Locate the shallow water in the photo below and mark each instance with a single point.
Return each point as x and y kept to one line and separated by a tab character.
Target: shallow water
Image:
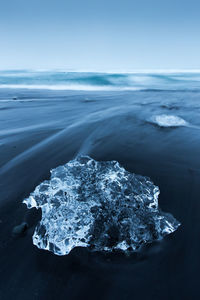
43	129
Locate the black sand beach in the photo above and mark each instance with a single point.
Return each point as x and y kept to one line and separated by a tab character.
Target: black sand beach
40	130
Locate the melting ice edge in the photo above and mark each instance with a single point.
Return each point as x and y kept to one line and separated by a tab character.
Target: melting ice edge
98	205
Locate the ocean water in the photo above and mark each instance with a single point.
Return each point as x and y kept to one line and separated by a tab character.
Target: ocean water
91	81
150	123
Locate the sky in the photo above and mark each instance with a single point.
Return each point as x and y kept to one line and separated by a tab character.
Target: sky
100	34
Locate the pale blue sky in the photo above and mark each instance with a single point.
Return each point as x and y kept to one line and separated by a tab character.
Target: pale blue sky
100	34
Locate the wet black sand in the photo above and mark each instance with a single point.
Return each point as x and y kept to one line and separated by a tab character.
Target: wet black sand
41	130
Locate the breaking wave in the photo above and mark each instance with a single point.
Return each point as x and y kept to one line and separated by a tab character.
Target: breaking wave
94	81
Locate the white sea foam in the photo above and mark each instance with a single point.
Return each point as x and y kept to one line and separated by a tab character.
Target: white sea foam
68	87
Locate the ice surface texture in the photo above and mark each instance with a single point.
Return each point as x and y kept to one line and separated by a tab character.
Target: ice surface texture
168	121
97	205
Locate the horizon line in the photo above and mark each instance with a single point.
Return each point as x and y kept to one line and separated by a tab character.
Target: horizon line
71	70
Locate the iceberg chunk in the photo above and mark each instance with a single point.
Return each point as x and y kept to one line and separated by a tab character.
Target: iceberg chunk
98	205
168	121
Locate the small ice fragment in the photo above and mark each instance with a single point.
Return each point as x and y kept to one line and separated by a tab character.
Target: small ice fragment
168	121
98	205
